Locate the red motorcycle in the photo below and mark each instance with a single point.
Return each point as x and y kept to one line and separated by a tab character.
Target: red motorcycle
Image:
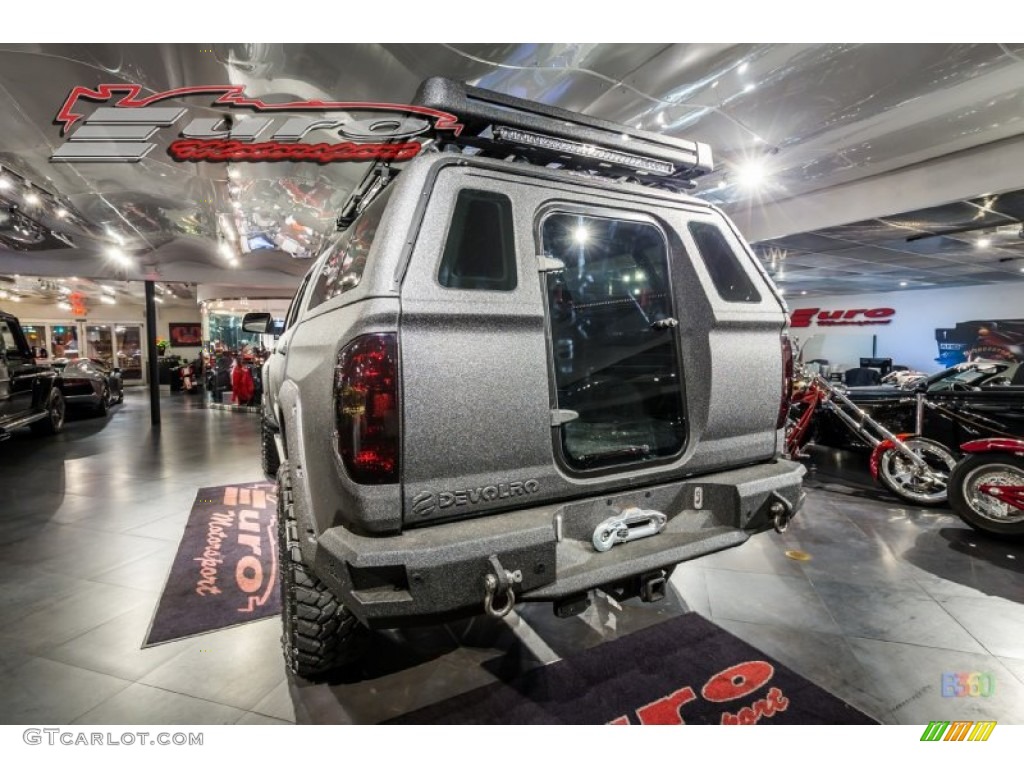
986	488
913	467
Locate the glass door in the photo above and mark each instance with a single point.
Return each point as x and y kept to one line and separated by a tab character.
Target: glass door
99	344
64	341
616	365
128	352
36	336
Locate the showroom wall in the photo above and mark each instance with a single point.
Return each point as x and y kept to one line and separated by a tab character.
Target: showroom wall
48	311
909	336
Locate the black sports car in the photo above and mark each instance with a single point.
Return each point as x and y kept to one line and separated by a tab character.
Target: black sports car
90	383
986	391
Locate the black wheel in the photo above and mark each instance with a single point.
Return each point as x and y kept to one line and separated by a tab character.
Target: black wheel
104	404
980	510
268	450
54	421
901	476
320	634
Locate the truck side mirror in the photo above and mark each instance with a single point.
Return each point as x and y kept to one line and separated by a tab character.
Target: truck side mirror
257	322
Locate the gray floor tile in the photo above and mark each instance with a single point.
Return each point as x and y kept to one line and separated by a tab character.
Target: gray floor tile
277	704
47	692
909	679
996	623
905	615
758	555
762	598
168	528
689	581
86	609
236	666
1015	666
147	573
115	647
142	705
251	718
27	589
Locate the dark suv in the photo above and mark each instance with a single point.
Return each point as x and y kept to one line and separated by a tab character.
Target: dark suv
29	393
529	367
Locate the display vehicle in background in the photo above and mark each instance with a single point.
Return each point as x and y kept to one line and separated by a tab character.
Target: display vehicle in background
30	394
90	383
530	366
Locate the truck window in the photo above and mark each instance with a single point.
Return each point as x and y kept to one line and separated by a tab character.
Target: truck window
480	252
727	273
343	268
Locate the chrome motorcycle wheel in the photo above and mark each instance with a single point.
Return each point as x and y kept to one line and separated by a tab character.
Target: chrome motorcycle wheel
918	485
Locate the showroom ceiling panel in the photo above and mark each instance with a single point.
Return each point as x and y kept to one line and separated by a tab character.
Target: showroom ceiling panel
816	116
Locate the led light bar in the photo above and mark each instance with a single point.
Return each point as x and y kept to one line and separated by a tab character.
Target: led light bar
525	138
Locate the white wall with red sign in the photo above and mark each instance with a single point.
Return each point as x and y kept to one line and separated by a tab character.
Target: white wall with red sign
902	322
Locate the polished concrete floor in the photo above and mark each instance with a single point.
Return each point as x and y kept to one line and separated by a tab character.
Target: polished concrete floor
892	598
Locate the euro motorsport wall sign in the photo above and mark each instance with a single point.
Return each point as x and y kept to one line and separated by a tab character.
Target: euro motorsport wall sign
117	124
805	318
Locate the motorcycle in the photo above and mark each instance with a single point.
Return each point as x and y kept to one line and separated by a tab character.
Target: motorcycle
986	488
912	467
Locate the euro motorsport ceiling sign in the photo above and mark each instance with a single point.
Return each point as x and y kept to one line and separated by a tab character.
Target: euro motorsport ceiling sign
117	124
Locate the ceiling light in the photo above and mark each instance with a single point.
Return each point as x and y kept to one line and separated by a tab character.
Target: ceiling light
984	242
782	291
581	235
803	293
108	300
119	256
903	284
742	67
62	213
31	198
5	183
752	174
748	87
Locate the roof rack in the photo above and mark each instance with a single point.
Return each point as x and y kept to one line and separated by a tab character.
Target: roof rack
499	126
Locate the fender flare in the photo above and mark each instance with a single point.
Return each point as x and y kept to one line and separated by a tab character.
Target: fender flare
994	445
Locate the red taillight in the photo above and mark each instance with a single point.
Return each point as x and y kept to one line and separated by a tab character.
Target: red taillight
366	408
787	381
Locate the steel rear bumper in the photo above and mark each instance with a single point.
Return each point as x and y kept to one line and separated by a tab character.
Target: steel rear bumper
436	570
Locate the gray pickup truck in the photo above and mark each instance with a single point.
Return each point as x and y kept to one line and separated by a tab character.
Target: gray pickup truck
30	394
530	366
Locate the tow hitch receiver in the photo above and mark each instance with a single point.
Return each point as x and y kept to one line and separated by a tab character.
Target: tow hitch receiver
632	523
652	587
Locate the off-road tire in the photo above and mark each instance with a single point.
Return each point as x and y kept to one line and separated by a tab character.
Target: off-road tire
268	450
56	409
976	470
320	634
